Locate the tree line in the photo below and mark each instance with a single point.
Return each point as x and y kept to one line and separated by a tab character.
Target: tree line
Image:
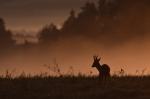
108	21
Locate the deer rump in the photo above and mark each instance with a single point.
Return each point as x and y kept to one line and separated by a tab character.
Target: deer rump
104	70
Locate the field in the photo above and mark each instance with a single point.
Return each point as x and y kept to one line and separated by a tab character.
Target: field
69	87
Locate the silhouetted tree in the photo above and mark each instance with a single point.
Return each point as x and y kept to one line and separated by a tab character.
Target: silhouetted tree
89	10
69	23
102	4
69	26
49	33
5	36
87	18
2	26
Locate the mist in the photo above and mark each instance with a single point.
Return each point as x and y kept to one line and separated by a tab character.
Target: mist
131	56
117	31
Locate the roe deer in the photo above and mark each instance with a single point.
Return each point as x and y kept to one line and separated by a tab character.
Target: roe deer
104	70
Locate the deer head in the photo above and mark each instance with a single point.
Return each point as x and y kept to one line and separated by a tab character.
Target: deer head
96	61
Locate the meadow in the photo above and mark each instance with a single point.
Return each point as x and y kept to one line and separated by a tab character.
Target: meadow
74	87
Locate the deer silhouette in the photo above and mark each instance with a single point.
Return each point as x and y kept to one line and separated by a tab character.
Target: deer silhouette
104	70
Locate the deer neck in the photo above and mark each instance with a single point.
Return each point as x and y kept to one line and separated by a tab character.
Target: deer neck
99	68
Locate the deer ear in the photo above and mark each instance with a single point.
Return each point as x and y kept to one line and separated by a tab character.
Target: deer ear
99	59
94	57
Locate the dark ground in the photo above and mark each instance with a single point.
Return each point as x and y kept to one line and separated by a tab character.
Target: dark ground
75	88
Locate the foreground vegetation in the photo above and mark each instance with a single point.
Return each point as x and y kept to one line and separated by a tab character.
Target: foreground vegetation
71	87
